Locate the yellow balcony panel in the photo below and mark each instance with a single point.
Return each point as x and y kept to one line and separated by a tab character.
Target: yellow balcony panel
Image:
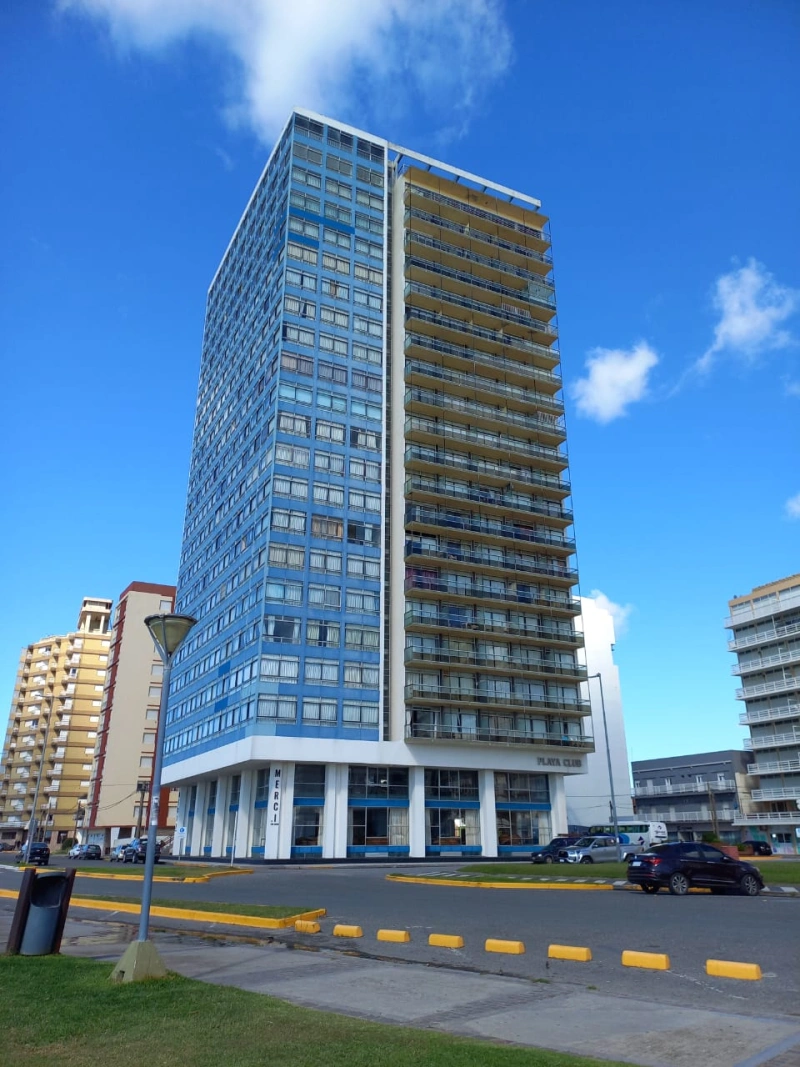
474	198
534	300
510	321
523	627
447	492
511	662
477	592
479	351
493	697
449	728
445	432
438	520
482	410
456	244
471	554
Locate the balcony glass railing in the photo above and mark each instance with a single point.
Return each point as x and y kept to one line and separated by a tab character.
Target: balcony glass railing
726	786
541	296
479	384
756	715
474	408
476	212
782	685
461	657
496	736
458	619
498	336
765	662
472	591
791	818
499	442
424	240
765	637
784	766
789	792
472	554
501	699
773	740
467	520
482	494
497	311
447	457
474	235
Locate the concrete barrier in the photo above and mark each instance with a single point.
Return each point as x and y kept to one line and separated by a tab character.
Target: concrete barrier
512	948
446	940
569	952
651	961
748	972
341	930
305	926
400	937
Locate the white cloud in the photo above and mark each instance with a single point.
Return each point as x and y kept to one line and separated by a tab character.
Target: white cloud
793	507
343	57
753	308
620	613
791	388
616	379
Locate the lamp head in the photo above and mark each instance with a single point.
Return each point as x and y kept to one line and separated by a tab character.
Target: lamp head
169	632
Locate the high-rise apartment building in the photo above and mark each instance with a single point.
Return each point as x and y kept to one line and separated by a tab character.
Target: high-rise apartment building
377	540
123	765
766	640
52	729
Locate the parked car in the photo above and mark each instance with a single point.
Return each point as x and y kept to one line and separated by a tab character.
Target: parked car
549	854
117	854
39	854
683	864
600	849
760	848
136	851
86	852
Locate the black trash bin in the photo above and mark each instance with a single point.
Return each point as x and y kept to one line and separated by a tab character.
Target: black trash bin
41	913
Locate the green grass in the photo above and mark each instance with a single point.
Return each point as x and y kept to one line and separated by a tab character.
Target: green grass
65	1011
265	911
774	872
161	870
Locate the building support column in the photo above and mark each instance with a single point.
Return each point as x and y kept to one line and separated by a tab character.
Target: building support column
416	811
179	841
275	809
488	815
559	823
195	846
241	843
286	820
220	814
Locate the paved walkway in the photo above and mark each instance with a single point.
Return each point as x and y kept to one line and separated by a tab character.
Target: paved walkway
568	1018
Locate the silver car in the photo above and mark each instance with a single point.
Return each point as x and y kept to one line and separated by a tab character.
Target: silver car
597	850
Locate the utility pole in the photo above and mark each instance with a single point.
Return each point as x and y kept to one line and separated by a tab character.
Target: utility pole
142	788
613	801
32	823
712	803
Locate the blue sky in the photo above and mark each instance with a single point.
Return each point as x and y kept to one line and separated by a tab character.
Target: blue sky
662	140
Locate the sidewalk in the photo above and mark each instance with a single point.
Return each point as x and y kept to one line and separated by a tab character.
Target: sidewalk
567	1018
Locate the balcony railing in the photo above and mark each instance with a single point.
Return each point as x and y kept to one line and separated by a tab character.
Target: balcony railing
695	815
503	266
445	693
498	337
458	620
568	605
505	312
764	638
537	294
474	235
479	494
476	409
773	740
783	685
790	792
726	786
462	657
507	472
424	732
473	557
498	442
479	384
448	519
784	766
757	715
479	213
790	818
764	662
777	604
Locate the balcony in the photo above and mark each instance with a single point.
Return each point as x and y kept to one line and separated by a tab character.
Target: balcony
480	413
471	591
784	766
428	430
503	342
757	715
433	459
418	221
473	385
492	736
687	817
438	694
434	298
444	490
416	239
486	661
765	818
537	294
764	662
477	556
422	516
765	638
773	740
459	620
784	685
448	205
726	786
789	792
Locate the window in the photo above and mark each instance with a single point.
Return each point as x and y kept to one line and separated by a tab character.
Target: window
338	264
324	596
335	211
329	343
304	151
297	488
338	290
326	528
295	521
339	165
377	782
302	254
369	150
363	533
292	455
367	354
368	300
283	629
328	494
368	439
284	592
329	372
363	567
360	501
287	556
305	201
361	675
337	188
366	603
302	279
336	238
369	176
306	177
296	305
297	394
322	671
280	668
304	227
329	461
367	469
374	201
343	140
297	335
297	364
276	707
366	222
361	324
309	127
362	637
451	784
335	317
371	383
322	634
331	402
369	248
327	562
331	431
365	409
359	714
146	763
521	788
318	711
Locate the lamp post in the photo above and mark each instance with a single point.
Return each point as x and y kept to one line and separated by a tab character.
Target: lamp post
614	818
141	959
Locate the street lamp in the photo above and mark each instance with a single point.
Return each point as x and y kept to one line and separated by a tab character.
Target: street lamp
141	959
614	819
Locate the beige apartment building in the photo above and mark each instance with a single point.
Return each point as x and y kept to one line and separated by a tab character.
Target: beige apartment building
52	730
123	765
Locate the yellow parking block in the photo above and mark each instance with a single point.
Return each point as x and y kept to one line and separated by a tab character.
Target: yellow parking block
749	972
398	936
305	926
341	930
651	961
512	948
569	952
446	940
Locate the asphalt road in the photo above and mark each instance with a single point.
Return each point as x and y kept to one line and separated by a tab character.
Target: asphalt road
689	929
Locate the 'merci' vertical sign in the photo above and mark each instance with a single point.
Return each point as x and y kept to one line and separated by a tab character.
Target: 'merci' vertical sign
275	796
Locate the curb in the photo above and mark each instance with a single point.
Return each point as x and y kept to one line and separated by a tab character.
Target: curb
607	884
140	877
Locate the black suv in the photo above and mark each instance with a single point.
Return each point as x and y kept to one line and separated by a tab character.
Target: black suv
39	854
760	848
685	864
136	851
549	854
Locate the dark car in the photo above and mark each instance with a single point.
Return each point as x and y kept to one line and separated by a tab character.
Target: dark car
39	854
136	851
91	852
549	854
685	864
760	848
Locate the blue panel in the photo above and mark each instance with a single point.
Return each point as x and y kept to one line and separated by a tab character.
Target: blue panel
435	850
522	807
306	850
309	802
257	850
383	850
452	803
530	849
377	802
